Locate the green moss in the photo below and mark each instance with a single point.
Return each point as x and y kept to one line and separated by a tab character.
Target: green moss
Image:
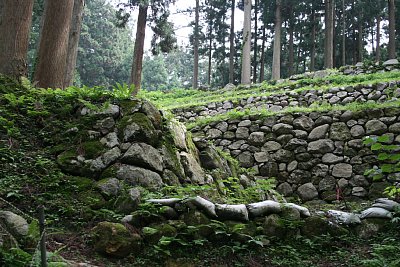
192	149
110	172
92	199
114	239
129	106
91	149
145	133
64	161
81	183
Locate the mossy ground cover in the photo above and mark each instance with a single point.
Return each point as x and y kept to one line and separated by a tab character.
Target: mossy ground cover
381	250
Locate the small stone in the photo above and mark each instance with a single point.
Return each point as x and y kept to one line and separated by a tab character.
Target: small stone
395	128
257	138
321	170
242	133
307	192
292	166
214	133
327	184
321	146
391	62
269	169
339	131
271	146
359	180
245	123
357	131
323	120
285	189
359	192
222	126
262	157
282	128
342	170
303	123
246	159
282	155
330	158
318	132
375	127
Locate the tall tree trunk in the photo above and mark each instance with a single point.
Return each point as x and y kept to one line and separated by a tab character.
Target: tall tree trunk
15	23
343	33
52	55
73	42
209	55
329	24
262	67
276	59
246	53
360	40
232	44
291	46
255	42
378	39
392	29
136	74
313	35
196	48
299	51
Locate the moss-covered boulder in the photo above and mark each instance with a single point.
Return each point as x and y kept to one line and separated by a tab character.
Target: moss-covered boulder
315	226
153	234
114	239
138	127
194	217
273	226
370	227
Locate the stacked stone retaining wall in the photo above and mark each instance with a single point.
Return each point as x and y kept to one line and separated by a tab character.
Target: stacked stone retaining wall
312	155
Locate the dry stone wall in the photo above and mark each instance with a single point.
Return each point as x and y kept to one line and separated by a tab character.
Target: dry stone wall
379	92
312	155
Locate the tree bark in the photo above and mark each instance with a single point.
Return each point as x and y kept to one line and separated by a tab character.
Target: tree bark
136	74
262	67
291	46
378	39
15	23
52	55
210	39
329	24
360	40
196	48
299	51
343	34
246	57
392	29
313	35
255	42
232	44
276	59
74	34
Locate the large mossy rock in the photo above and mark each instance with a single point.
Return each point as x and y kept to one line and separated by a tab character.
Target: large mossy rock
138	127
113	239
